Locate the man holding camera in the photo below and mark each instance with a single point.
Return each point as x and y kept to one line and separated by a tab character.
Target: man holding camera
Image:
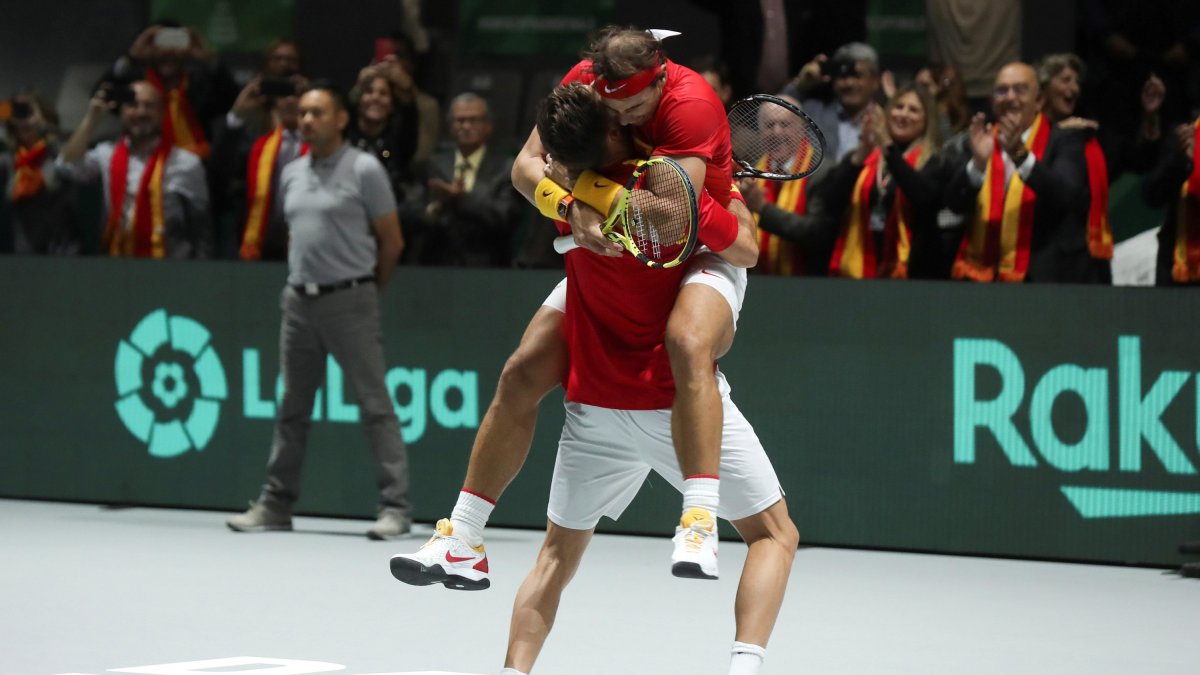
195	89
853	73
246	162
156	195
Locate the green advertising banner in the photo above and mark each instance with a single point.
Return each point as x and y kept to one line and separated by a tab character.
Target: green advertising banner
896	28
522	27
1030	421
228	26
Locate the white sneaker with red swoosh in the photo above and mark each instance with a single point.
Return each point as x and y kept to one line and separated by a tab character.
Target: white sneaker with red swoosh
444	559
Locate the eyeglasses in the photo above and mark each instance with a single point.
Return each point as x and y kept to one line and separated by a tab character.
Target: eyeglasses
1003	90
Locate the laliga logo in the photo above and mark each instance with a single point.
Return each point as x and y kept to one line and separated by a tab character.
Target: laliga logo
170	384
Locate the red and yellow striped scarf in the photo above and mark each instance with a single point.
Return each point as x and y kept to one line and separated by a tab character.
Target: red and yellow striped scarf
180	125
1099	233
854	255
1186	257
28	180
776	255
260	189
996	245
145	236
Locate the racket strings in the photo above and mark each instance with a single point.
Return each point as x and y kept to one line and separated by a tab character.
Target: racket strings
658	217
772	139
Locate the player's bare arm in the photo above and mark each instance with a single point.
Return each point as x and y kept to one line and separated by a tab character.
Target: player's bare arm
529	169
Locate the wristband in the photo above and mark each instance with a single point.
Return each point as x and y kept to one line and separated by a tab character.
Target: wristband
547	195
596	191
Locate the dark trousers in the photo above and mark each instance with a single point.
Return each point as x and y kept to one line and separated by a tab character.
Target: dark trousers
344	324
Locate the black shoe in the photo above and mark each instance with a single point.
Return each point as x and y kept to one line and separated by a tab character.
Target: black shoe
1190	548
1190	570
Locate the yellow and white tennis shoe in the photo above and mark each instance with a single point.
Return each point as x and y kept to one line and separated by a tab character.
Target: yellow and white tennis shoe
695	555
445	559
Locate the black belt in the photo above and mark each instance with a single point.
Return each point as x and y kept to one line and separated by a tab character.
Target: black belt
322	289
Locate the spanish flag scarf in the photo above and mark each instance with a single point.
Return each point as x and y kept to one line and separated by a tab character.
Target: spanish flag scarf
260	189
180	125
29	181
1186	257
1099	233
997	242
854	255
777	256
145	236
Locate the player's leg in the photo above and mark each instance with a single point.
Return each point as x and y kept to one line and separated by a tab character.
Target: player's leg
772	539
597	472
700	330
454	556
504	437
536	604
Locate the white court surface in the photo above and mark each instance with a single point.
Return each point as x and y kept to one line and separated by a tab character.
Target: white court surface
85	590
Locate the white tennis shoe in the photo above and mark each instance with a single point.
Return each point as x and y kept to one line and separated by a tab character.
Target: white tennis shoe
695	555
445	559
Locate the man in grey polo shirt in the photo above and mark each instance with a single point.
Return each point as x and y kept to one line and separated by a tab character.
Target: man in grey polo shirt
344	243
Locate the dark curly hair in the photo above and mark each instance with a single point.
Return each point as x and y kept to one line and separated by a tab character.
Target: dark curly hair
573	126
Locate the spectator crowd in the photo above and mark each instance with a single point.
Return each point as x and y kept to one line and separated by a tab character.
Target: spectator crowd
975	166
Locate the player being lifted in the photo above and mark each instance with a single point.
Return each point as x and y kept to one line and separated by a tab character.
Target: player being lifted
671	111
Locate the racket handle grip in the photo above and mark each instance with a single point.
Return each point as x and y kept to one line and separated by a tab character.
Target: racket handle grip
564	243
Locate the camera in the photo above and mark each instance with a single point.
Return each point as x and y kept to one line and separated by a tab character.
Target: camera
172	38
277	87
118	92
21	110
835	69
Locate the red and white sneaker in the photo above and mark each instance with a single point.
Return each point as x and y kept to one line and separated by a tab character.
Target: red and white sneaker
444	559
695	555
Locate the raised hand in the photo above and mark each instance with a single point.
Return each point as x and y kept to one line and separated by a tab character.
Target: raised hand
1154	91
982	141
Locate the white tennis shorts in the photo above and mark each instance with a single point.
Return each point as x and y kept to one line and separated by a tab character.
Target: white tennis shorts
705	268
604	455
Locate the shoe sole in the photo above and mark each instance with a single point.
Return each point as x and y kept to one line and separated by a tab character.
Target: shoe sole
414	573
690	570
260	528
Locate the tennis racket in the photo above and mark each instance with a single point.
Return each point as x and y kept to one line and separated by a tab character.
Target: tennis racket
656	218
764	126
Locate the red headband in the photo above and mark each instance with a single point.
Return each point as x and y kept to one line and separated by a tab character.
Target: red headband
630	86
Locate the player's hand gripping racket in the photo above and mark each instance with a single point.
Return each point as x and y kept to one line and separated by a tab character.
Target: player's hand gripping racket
656	217
764	126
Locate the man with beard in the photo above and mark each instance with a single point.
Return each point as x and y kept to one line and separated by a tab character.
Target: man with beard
155	193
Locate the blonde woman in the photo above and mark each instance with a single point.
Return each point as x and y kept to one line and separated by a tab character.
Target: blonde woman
888	186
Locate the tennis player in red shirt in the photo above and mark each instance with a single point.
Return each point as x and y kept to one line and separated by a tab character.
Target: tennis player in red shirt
619	393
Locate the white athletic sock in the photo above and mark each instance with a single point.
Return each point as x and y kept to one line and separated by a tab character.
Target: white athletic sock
470	516
703	491
746	659
511	671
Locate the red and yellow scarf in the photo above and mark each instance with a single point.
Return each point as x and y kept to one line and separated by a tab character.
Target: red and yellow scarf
776	255
260	189
997	242
1186	257
1099	233
145	236
28	180
854	255
180	125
